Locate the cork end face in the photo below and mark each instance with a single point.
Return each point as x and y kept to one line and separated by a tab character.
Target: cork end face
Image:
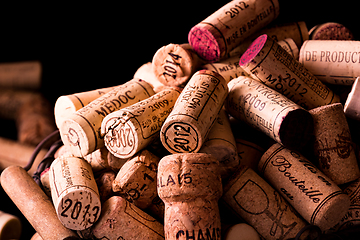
204	43
297	129
331	31
254	48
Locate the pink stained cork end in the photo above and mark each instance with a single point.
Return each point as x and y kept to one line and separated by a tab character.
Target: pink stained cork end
204	44
253	50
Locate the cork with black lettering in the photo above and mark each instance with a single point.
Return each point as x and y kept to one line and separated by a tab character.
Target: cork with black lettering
214	37
314	195
196	109
260	205
267	62
81	131
270	112
333	146
174	64
190	186
74	192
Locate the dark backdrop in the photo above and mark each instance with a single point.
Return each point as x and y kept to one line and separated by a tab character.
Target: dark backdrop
84	47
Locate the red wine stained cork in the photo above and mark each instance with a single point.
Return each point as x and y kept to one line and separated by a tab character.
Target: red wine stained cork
333	145
82	129
146	73
34	204
137	179
255	201
10	226
213	38
190	186
174	64
66	105
195	111
330	31
352	104
133	128
74	193
295	30
270	112
332	61
25	75
313	195
268	62
228	68
221	144
121	219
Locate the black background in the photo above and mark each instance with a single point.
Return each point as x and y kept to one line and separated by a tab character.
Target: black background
89	46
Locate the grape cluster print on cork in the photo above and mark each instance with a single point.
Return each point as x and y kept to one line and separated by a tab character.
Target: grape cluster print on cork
245	127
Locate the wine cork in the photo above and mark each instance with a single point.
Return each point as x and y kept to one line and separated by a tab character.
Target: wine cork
330	31
82	130
254	200
352	105
221	144
267	110
242	231
104	183
146	73
290	47
294	30
332	61
249	153
26	75
137	179
131	129
190	186
222	31
268	62
188	124
34	204
121	219
74	193
333	145
66	105
228	68
115	163
10	226
174	64
36	236
35	120
45	181
315	196
98	159
15	153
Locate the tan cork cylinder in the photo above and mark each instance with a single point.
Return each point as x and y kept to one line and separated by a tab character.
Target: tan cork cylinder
228	68
255	201
290	46
270	112
332	61
74	193
137	179
195	111
352	104
297	31
35	120
146	73
133	128
34	204
10	226
220	143
241	229
229	26
333	145
115	163
190	186
25	75
330	31
66	105
174	64
82	130
267	62
104	182
249	153
18	154
121	219
315	196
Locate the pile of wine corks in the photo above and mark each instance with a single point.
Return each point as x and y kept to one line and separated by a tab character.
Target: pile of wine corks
248	131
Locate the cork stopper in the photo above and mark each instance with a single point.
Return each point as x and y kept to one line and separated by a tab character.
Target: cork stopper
10	226
330	31
352	104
